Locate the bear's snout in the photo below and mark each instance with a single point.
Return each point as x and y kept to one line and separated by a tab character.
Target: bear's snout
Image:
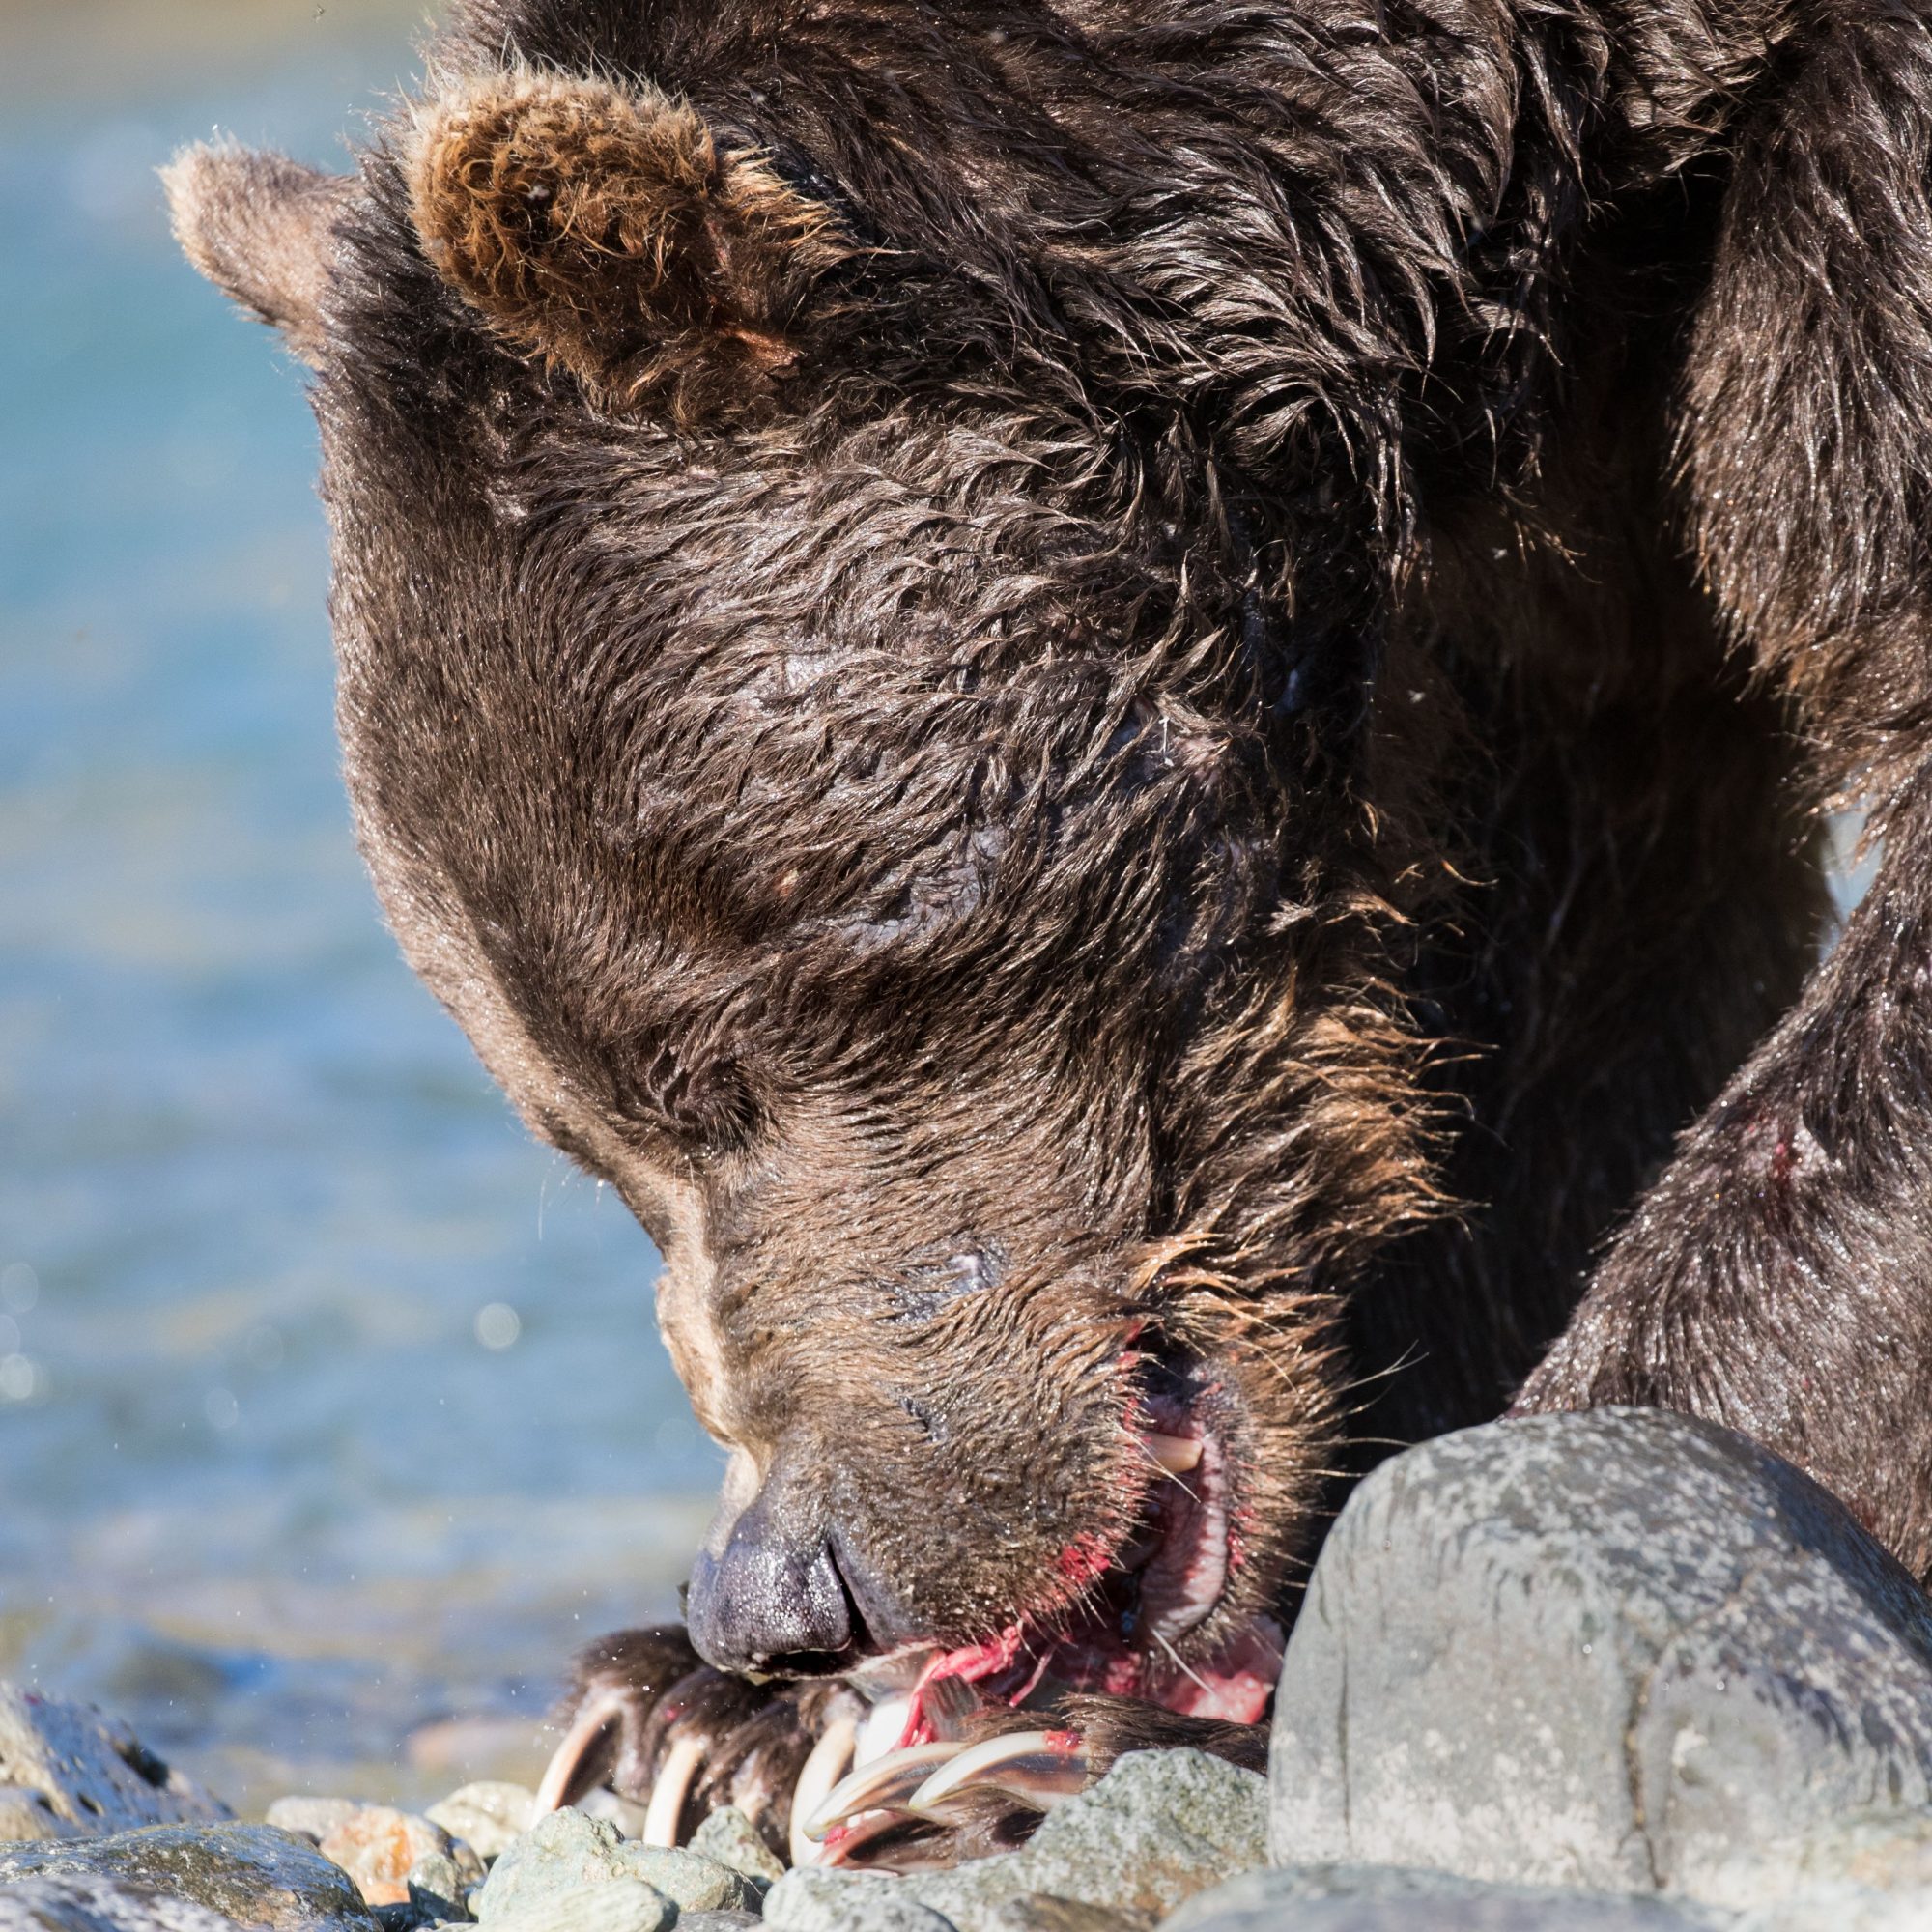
771	1601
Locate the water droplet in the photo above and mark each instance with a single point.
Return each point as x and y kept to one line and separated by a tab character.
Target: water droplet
20	1379
498	1326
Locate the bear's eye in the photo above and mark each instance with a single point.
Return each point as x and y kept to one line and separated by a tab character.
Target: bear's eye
703	1100
924	1289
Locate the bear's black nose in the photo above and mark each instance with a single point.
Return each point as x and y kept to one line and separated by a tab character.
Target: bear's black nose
771	1601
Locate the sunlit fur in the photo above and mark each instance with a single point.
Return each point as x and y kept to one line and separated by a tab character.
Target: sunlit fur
1094	684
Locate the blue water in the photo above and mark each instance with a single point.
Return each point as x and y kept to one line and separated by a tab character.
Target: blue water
261	1485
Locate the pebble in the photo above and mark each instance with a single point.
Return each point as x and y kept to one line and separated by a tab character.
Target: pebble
568	1851
489	1817
378	1847
616	1905
436	1888
311	1818
830	1901
1040	1912
629	1818
733	1839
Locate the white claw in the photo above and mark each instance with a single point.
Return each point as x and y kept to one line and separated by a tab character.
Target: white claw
884	1785
882	1727
1176	1454
822	1770
589	1724
1039	1768
669	1793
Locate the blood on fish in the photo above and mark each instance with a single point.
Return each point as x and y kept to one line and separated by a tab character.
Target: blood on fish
972	1663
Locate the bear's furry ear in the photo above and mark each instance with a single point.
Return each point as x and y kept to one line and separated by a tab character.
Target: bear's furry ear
258	226
605	231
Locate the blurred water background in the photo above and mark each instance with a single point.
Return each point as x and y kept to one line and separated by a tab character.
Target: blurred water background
331	1414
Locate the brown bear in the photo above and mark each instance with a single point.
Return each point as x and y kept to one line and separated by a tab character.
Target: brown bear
1122	705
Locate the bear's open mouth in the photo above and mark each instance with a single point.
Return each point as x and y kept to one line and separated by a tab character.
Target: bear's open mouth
1133	1610
1133	1606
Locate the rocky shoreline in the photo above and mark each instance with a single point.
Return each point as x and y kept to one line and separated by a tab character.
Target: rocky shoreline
1619	1672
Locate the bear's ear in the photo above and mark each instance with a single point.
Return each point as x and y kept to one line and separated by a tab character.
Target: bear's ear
258	226
605	231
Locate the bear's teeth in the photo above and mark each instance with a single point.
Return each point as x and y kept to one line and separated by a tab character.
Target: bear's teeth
1176	1454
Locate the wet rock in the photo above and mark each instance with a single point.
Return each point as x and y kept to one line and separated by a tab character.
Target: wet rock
1383	1898
378	1847
1623	1650
28	1815
733	1839
253	1874
311	1818
567	1852
829	1901
1037	1912
489	1817
409	1916
1158	1828
605	1803
1886	1854
613	1905
436	1887
78	1903
67	1770
1842	1908
693	1881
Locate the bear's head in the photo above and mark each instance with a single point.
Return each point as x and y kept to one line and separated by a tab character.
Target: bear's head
865	541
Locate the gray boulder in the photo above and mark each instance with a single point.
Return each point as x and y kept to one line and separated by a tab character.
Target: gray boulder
1384	1898
1624	1651
68	1772
252	1874
1158	1828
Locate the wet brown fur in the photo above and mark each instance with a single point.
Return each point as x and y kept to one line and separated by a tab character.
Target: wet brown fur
1214	773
